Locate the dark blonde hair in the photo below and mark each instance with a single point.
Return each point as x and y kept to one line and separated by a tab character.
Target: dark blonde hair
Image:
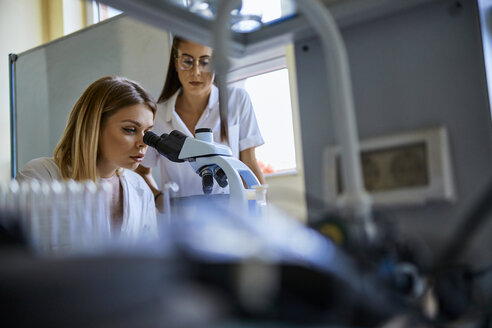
76	152
172	83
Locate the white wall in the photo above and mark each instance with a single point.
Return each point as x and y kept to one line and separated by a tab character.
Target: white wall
20	29
73	16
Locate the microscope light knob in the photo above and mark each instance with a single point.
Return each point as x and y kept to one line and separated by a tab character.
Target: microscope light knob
204	134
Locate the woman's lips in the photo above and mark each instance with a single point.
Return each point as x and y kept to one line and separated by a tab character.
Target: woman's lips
137	158
195	84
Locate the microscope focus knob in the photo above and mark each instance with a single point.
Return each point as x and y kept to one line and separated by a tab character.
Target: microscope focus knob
204	134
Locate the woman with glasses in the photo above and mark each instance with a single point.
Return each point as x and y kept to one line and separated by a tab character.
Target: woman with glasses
189	101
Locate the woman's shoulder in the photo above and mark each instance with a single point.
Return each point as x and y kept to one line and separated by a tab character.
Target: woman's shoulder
42	161
169	102
165	110
42	168
237	92
239	100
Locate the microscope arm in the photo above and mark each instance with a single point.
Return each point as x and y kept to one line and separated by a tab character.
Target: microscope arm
177	147
195	148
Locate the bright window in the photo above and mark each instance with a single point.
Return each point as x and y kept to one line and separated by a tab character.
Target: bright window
270	95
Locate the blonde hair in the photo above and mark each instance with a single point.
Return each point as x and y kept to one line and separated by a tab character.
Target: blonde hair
76	152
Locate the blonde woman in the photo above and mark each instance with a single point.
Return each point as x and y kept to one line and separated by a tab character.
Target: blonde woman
103	140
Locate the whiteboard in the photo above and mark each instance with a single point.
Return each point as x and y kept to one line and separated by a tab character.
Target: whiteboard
48	80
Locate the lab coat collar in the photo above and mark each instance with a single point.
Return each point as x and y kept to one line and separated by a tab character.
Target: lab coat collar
213	101
127	204
170	104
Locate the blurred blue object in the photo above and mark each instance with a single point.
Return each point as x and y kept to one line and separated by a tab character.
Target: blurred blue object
270	263
212	266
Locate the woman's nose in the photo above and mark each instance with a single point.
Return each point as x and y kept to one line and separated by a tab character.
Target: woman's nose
140	142
196	68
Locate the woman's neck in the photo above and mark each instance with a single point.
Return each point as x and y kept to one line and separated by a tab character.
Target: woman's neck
105	172
192	103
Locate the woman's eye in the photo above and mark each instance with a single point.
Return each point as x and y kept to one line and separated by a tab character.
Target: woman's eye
129	130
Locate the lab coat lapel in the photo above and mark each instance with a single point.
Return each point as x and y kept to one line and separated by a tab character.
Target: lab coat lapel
132	204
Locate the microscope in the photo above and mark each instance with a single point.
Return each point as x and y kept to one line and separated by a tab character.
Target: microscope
209	160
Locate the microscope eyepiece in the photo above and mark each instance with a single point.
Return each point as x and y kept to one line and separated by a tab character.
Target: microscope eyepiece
168	145
201	130
151	139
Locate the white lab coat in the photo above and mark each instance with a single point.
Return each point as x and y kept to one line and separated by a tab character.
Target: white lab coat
139	214
243	134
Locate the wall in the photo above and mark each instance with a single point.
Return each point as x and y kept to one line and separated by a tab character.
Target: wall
25	24
74	16
412	70
20	29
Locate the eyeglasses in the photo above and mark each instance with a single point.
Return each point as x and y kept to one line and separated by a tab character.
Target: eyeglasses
186	63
